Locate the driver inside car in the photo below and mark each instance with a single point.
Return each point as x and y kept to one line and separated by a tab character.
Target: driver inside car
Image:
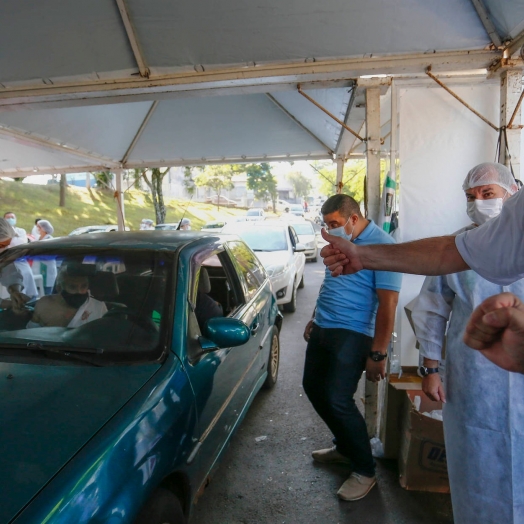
72	306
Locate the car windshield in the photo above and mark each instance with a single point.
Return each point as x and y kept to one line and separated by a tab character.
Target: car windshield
103	305
295	207
253	212
303	229
265	238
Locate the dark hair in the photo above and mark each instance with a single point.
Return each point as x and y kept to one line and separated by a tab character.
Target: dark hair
8	213
344	204
37	220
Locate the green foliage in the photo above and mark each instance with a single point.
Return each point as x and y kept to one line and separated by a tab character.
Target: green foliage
103	179
300	183
216	178
262	182
189	182
353	181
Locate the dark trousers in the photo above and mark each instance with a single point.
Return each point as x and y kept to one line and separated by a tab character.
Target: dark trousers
335	360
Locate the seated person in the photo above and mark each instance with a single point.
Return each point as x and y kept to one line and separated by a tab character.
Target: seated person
72	306
206	307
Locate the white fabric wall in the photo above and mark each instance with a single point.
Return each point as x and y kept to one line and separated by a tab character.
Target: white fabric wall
439	142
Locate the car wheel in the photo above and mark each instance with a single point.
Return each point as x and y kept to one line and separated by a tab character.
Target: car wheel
291	306
314	259
162	508
301	285
273	361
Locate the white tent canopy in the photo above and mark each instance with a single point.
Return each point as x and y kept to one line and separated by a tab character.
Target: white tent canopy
131	83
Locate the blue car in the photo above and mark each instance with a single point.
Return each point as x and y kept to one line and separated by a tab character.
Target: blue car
120	390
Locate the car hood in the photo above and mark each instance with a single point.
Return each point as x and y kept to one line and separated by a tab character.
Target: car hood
48	414
304	239
273	258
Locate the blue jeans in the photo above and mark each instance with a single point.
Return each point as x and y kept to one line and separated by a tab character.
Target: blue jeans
335	360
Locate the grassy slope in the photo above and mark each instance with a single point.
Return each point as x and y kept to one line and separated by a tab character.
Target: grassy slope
94	207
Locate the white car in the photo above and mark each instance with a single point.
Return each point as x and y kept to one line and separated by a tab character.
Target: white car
277	246
306	235
255	213
94	229
213	227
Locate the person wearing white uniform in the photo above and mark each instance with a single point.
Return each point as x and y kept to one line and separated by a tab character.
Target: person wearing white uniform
16	277
496	249
20	232
484	437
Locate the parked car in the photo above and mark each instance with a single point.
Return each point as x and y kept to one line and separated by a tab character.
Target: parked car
255	213
123	417
224	201
306	236
213	227
277	246
167	226
95	229
296	209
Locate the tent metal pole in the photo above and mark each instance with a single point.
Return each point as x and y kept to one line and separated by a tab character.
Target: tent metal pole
47	144
487	22
340	175
337	120
299	124
133	39
454	95
140	131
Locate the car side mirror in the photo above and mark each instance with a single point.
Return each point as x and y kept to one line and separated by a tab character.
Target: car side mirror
222	332
299	248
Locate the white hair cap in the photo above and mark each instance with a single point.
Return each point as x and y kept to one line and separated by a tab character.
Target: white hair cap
491	173
46	226
185	221
6	230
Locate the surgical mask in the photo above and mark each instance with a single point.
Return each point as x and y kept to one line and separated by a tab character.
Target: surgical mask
480	211
11	221
74	299
341	231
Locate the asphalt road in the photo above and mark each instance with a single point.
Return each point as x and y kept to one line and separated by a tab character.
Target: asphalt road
267	474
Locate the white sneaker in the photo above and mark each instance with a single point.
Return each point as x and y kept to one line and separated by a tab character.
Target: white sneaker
330	456
356	487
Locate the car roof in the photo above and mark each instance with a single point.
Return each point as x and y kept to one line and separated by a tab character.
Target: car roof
153	239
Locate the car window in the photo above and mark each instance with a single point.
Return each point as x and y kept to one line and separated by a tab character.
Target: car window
248	266
106	305
264	238
304	229
293	236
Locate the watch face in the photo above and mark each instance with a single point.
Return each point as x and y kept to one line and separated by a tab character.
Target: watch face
423	371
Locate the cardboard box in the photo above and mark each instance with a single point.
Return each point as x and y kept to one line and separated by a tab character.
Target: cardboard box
422	459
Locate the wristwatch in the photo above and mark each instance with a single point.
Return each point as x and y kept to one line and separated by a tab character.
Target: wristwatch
424	371
377	356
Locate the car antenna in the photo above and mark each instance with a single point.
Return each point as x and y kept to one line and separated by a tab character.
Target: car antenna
184	213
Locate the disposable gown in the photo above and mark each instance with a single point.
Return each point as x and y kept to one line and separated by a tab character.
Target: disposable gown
484	412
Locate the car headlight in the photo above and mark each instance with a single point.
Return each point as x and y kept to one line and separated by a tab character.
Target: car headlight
311	244
274	271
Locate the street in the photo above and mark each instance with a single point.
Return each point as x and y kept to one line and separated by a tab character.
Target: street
268	476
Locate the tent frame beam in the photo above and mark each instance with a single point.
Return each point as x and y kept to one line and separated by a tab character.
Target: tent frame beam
139	132
133	39
300	124
47	144
265	78
485	18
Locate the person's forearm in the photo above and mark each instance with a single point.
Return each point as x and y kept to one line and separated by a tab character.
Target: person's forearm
383	328
429	256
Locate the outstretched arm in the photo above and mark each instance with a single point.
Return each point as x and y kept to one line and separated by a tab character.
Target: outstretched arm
429	256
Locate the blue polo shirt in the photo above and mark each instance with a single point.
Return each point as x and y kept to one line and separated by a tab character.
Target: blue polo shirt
350	301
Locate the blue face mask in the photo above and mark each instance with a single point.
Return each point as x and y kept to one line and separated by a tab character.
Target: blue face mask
341	231
11	221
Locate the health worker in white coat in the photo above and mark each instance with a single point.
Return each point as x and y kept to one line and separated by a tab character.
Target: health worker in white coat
484	404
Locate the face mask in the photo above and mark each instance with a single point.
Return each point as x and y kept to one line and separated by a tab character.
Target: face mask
74	299
480	211
341	231
11	221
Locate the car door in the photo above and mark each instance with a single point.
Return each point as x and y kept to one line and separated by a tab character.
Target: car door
221	379
299	259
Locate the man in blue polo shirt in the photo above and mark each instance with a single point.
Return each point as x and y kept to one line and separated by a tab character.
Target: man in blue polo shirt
349	333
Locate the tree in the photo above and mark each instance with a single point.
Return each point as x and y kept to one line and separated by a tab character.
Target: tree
189	182
301	184
135	176
352	182
104	179
155	185
262	182
216	178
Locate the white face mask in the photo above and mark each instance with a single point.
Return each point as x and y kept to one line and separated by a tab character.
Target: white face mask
480	211
341	231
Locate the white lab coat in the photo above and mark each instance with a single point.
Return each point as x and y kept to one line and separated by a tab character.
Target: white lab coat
484	413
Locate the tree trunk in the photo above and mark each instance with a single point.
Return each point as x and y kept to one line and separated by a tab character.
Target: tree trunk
160	207
63	185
